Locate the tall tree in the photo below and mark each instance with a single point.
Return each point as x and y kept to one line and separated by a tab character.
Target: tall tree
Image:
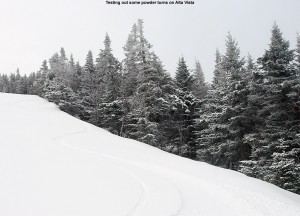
219	74
183	78
298	54
199	87
277	149
222	123
184	110
108	69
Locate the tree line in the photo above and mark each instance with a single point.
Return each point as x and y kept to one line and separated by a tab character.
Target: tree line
247	120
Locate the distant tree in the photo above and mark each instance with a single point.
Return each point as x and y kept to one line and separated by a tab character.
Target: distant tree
63	56
183	78
298	54
219	74
4	83
199	87
22	87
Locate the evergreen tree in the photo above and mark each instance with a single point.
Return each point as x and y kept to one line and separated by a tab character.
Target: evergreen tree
223	122
276	153
90	91
183	78
63	56
76	76
4	84
219	74
22	87
130	63
298	54
137	53
199	87
184	110
44	68
109	71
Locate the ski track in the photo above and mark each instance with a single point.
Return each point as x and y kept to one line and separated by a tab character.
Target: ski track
144	188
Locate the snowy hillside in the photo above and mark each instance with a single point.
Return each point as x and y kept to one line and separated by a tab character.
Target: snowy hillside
54	164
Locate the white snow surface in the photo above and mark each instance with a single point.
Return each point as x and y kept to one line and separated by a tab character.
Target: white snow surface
52	164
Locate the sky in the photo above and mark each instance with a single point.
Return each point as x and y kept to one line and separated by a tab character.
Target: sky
33	30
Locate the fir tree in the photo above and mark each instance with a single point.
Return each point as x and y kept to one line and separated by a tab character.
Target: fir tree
223	122
199	87
108	70
219	74
275	155
183	78
298	54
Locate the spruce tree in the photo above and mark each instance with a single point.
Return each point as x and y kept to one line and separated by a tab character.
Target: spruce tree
108	69
183	78
298	54
276	151
219	74
223	122
199	87
184	110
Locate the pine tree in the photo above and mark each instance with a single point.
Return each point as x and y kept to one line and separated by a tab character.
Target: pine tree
210	128
90	91
4	83
199	87
108	70
137	53
223	122
147	91
276	151
298	54
56	91
22	87
183	78
44	68
184	110
219	74
63	56
130	68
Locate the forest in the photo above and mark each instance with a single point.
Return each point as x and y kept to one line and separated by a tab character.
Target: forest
247	119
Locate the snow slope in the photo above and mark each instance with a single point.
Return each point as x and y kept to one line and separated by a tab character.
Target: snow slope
54	164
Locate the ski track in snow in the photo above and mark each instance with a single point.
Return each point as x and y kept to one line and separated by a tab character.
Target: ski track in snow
62	139
143	185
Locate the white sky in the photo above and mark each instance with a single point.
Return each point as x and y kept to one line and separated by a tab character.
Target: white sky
32	30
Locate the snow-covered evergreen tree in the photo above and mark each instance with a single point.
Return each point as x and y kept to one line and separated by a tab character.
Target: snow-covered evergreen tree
219	74
183	78
199	87
275	155
183	113
223	123
108	70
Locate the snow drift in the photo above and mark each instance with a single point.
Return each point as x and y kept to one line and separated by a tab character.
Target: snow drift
54	164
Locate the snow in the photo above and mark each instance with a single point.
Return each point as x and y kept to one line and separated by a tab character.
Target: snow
54	164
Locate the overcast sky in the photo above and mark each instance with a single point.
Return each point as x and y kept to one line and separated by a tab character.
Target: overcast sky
32	30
